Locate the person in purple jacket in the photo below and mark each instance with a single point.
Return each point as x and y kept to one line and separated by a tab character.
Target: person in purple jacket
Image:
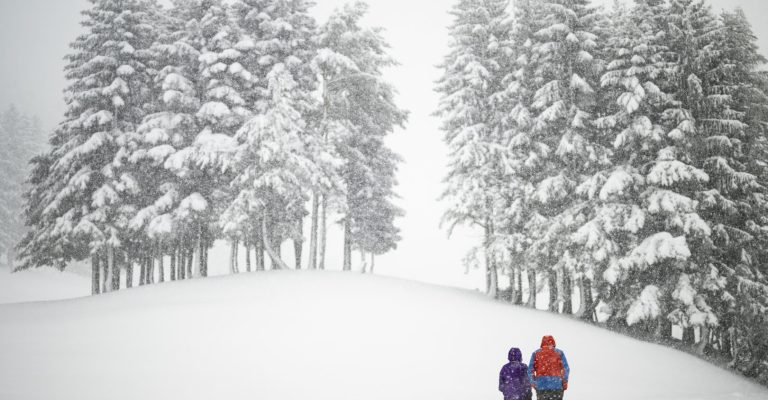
513	378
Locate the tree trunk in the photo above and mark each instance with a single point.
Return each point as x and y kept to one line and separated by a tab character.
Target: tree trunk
362	261
199	267
554	305
567	293
586	297
190	262
277	263
725	334
95	281
247	244
142	270
323	233
701	346
233	257
261	260
181	269
519	282
373	262
259	247
531	288
129	274
150	268
298	244
115	269
104	272
689	336
204	268
237	255
160	264
347	244
312	263
493	281
491	273
174	250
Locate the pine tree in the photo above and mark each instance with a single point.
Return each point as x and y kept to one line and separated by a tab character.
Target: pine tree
556	149
634	101
199	87
19	139
473	76
732	116
657	282
359	111
272	164
281	33
77	208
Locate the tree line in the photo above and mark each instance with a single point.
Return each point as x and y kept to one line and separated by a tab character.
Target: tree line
617	155
21	137
210	121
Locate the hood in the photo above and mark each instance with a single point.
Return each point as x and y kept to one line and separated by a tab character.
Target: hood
547	341
515	355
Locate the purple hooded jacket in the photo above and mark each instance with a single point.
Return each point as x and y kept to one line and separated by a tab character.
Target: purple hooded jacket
513	378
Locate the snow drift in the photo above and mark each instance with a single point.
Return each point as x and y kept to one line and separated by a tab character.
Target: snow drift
319	335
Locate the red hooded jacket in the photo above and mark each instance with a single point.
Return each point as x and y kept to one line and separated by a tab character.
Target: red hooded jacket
548	367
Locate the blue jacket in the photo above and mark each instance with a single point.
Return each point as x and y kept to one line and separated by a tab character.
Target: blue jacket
513	378
545	370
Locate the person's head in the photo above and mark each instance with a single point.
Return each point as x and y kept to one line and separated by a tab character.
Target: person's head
547	341
515	355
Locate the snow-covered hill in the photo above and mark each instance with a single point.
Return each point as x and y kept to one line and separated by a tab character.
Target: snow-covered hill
40	285
319	335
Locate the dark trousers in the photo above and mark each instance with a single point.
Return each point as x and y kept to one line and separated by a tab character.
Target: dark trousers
549	395
527	396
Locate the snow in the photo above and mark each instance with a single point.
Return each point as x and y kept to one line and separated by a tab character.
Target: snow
214	110
645	307
618	184
657	248
668	173
40	285
322	335
125	70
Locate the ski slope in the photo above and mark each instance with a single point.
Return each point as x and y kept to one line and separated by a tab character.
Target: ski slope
290	335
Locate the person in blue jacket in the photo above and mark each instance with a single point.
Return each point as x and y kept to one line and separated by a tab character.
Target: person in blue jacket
549	371
514	382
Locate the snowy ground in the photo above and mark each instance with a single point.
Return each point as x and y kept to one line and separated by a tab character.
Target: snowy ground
319	335
40	285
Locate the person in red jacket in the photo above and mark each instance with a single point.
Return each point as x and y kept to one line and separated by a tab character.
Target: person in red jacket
548	371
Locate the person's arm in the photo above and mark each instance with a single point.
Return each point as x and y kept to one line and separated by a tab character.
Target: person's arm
567	369
501	379
532	369
527	375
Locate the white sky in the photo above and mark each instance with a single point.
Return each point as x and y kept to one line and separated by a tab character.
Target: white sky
34	37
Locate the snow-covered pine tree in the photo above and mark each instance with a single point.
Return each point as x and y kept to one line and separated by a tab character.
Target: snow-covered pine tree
732	116
78	211
185	144
633	103
272	164
358	112
562	80
9	203
19	141
281	33
656	283
472	78
522	154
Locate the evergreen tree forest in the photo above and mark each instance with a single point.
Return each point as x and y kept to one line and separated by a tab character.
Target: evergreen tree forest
21	138
615	160
215	121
